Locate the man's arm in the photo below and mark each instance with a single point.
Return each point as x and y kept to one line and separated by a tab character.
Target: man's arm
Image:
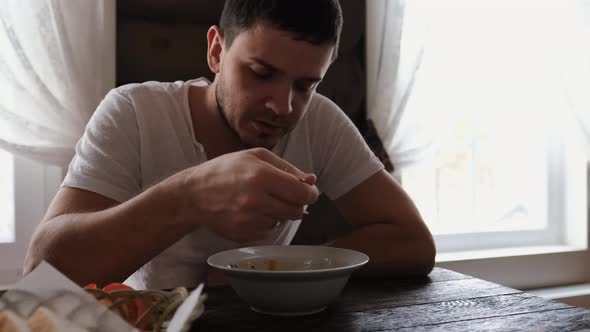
387	227
240	196
91	238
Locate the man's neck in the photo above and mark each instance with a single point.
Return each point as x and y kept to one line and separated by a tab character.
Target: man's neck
211	130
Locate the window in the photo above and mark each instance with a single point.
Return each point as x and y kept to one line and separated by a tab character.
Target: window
6	198
491	187
26	188
507	170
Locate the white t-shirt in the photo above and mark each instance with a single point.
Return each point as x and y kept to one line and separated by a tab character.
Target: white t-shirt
141	134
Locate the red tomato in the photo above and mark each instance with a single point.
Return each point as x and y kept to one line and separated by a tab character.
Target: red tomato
134	309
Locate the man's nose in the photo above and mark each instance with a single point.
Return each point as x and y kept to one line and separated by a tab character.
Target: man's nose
281	99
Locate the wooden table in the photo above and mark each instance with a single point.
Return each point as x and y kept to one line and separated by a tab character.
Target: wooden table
445	301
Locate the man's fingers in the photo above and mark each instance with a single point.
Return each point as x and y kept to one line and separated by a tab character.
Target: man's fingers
276	161
281	210
291	190
309	179
286	182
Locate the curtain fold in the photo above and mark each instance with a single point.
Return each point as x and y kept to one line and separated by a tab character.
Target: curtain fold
396	32
52	76
571	52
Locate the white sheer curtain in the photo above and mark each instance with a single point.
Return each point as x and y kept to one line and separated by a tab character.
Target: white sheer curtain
56	64
571	52
396	34
407	39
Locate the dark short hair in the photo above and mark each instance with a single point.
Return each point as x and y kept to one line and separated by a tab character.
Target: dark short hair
315	21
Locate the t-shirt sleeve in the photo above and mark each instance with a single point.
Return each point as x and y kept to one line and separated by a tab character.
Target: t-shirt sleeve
107	159
341	157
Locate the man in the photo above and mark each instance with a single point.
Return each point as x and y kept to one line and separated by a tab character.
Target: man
167	174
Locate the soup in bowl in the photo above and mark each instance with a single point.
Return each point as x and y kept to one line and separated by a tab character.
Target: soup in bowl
288	280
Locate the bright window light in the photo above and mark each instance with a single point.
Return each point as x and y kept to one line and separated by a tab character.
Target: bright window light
7	234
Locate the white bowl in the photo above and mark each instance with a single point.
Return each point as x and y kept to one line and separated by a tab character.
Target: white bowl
288	280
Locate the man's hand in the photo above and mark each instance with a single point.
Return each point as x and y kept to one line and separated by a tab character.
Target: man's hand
242	195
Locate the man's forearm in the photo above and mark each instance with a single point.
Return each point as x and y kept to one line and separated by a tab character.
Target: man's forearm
109	245
393	250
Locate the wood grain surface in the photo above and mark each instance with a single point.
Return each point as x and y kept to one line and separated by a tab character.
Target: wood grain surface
444	301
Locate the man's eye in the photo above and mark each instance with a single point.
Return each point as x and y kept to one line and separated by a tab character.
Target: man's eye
261	74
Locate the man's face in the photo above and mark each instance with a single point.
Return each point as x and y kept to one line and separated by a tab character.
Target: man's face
266	81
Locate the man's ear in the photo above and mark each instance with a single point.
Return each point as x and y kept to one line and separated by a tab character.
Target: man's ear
215	48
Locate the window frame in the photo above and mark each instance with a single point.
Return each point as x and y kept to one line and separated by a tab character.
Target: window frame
525	268
565	175
34	186
562	262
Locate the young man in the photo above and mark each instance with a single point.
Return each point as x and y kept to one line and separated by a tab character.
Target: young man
167	174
